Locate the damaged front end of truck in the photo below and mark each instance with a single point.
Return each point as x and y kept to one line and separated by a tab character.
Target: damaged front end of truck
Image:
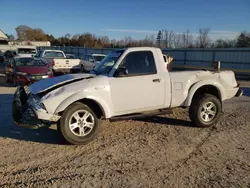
28	109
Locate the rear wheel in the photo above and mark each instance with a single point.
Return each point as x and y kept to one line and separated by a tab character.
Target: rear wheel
205	110
79	124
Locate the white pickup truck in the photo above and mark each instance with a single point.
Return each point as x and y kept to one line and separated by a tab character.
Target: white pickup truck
59	62
127	83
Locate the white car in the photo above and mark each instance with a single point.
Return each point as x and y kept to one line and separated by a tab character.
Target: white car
127	83
88	62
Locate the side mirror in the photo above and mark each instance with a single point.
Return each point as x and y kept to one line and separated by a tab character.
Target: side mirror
121	72
91	60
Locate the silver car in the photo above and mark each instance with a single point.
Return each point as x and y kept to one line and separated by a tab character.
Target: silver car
89	61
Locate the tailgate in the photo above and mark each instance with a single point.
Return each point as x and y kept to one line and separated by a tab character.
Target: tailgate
66	63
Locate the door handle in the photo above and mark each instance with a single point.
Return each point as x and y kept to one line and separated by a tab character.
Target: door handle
156	80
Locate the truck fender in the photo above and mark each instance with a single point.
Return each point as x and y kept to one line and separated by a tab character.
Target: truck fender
198	85
79	96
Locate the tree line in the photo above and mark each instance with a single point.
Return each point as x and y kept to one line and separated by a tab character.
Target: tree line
164	39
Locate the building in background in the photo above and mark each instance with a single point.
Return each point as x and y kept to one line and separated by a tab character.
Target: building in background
31	43
3	38
6	44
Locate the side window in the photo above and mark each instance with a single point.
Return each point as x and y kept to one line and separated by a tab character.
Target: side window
139	63
90	59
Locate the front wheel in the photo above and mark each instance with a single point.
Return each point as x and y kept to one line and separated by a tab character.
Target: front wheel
14	82
205	110
82	69
7	79
79	124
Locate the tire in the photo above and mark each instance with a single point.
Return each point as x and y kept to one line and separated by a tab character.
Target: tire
82	69
14	82
201	112
7	79
77	135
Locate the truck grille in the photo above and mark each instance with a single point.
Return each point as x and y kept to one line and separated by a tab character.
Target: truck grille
29	114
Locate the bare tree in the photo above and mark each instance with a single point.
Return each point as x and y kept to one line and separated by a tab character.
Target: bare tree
203	39
68	36
178	43
168	37
21	32
105	41
159	39
187	39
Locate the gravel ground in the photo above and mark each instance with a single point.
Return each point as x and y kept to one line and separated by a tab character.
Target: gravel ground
164	151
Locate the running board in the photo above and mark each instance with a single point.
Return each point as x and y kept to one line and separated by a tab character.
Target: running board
141	115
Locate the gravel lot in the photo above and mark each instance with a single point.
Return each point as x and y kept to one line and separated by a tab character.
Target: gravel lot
163	151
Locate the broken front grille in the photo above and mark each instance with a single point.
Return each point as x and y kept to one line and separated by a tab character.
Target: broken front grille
29	114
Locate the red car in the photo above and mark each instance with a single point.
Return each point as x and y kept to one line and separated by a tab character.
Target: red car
26	70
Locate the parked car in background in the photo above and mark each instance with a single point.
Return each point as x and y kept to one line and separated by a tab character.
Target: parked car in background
9	54
89	61
26	51
59	62
26	70
1	57
128	83
71	56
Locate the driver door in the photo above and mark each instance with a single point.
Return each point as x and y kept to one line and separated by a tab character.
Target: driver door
141	89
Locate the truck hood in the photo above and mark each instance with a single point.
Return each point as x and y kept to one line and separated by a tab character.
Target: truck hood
55	82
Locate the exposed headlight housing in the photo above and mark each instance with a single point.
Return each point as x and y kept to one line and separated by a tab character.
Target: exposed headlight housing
42	105
21	73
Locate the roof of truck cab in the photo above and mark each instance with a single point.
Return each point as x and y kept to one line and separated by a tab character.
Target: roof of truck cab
53	51
141	48
135	48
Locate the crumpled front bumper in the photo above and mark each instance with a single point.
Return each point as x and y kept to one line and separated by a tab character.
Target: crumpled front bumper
28	115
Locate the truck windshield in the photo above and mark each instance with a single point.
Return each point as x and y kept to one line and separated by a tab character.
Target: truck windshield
53	54
106	64
26	51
